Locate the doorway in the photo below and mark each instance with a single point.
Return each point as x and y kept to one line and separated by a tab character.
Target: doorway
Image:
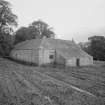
78	62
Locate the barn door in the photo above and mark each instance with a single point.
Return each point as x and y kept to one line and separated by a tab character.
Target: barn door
78	62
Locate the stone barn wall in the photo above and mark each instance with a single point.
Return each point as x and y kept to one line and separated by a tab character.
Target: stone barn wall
46	56
86	61
71	62
26	55
81	61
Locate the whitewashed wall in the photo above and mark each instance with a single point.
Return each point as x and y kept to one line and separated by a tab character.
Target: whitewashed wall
44	56
26	55
86	61
71	62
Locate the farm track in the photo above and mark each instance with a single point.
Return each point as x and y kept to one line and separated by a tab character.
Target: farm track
87	77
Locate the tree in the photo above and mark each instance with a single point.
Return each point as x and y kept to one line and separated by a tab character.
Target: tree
6	45
37	29
21	35
7	21
7	18
42	29
96	47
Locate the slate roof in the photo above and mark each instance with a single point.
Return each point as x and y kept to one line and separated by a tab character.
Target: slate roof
28	44
66	48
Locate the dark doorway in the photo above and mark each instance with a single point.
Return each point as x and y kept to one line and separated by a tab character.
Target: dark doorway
78	62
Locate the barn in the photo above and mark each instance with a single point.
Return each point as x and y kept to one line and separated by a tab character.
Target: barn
48	50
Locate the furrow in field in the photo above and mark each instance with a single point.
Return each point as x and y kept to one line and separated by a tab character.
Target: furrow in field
65	83
87	85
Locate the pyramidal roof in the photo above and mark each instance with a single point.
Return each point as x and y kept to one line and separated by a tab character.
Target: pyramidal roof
28	44
64	47
45	42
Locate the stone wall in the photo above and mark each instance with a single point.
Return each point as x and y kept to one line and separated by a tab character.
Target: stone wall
44	56
71	62
86	61
82	61
26	55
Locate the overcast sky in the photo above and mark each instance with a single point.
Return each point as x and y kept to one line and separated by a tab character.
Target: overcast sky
70	18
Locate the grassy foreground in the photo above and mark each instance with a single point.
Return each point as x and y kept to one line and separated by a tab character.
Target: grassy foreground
26	85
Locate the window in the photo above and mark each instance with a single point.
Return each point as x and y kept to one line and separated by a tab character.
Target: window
51	56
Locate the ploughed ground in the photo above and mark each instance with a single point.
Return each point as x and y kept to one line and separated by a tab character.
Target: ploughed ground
50	85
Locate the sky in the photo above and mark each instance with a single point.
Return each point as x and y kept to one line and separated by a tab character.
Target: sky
70	19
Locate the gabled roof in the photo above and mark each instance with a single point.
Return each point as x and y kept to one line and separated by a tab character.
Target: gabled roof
66	48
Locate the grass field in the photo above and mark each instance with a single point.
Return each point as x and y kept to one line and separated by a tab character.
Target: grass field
48	85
